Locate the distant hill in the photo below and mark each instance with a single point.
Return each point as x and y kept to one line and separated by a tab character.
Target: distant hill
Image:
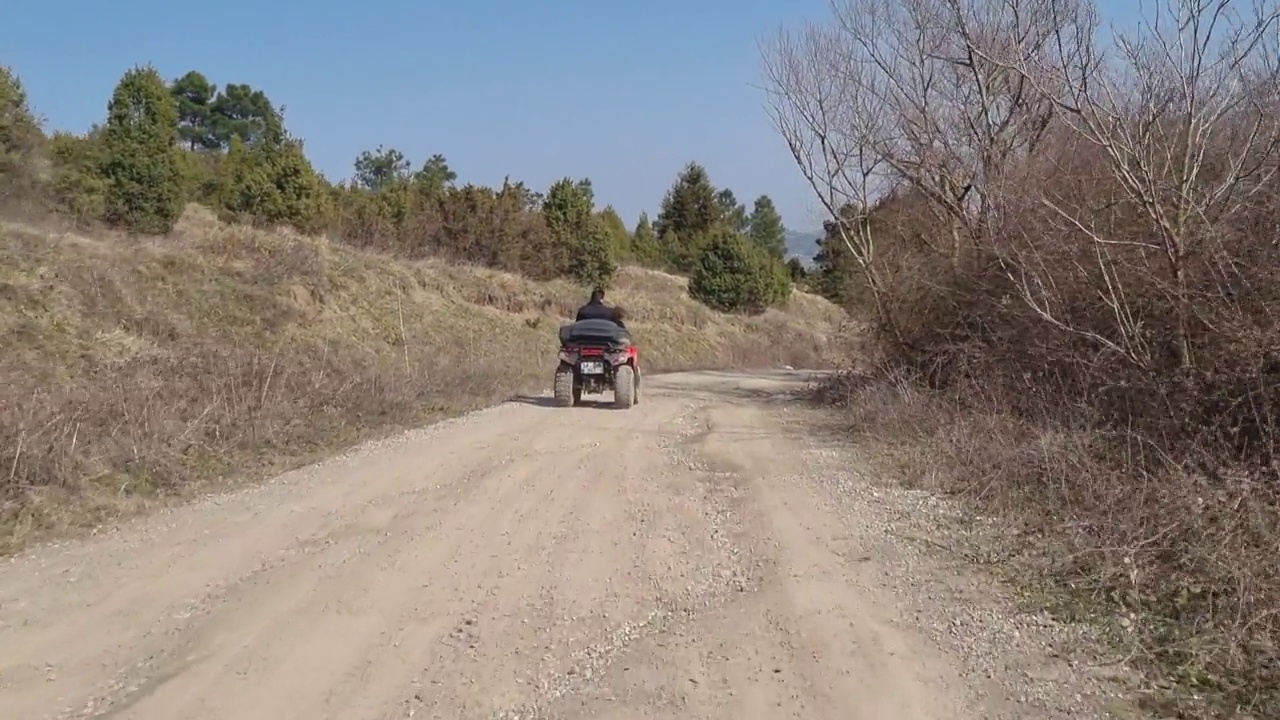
803	244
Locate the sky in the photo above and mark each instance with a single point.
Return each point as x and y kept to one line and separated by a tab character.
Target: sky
623	93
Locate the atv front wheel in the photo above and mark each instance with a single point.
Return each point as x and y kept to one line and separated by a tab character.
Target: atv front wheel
566	394
624	387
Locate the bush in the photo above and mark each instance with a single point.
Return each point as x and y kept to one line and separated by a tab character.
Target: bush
733	275
20	137
591	260
272	183
1096	324
143	164
586	246
78	187
19	129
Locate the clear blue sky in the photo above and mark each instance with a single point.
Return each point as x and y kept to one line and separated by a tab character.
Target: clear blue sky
625	93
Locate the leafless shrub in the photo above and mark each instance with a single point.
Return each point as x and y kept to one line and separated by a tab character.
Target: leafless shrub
1075	240
890	96
1183	111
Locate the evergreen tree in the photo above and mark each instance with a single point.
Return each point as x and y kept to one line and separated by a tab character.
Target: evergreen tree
19	129
272	184
834	267
689	212
796	269
594	262
645	247
435	175
733	275
766	230
732	213
383	167
78	185
194	95
302	191
240	111
143	163
568	206
581	239
619	236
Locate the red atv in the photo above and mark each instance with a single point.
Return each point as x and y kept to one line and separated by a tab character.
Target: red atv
597	355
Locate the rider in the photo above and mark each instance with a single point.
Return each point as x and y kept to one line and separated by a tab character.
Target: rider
595	309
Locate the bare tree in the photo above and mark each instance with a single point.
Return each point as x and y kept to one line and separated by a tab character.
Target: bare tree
913	86
834	130
1184	110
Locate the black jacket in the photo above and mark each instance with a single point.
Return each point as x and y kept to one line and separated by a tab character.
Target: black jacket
596	310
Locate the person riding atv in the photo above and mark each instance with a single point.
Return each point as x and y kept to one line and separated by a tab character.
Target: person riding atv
597	355
595	309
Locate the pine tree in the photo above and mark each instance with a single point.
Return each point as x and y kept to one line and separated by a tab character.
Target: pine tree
240	111
593	262
690	212
19	129
796	269
619	237
644	243
733	275
581	239
143	163
732	213
435	175
380	168
834	267
194	95
766	230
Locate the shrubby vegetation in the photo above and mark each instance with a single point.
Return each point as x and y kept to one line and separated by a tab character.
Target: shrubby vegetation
732	273
166	144
1064	239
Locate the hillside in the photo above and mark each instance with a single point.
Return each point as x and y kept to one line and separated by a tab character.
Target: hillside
140	370
803	245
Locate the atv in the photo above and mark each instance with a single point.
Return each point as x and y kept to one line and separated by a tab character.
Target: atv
595	356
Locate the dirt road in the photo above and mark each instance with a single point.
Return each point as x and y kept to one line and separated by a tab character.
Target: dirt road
677	560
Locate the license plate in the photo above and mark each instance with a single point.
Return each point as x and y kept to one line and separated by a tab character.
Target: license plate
592	367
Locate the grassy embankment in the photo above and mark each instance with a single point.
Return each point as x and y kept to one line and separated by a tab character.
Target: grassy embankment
140	371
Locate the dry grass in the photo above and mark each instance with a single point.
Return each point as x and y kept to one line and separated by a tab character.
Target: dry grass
1178	564
139	371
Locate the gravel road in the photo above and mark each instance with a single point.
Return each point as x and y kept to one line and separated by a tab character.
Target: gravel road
698	556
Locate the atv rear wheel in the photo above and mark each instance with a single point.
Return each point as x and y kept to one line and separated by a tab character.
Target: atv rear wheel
566	394
624	387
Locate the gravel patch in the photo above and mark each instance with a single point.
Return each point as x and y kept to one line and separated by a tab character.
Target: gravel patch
1050	667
